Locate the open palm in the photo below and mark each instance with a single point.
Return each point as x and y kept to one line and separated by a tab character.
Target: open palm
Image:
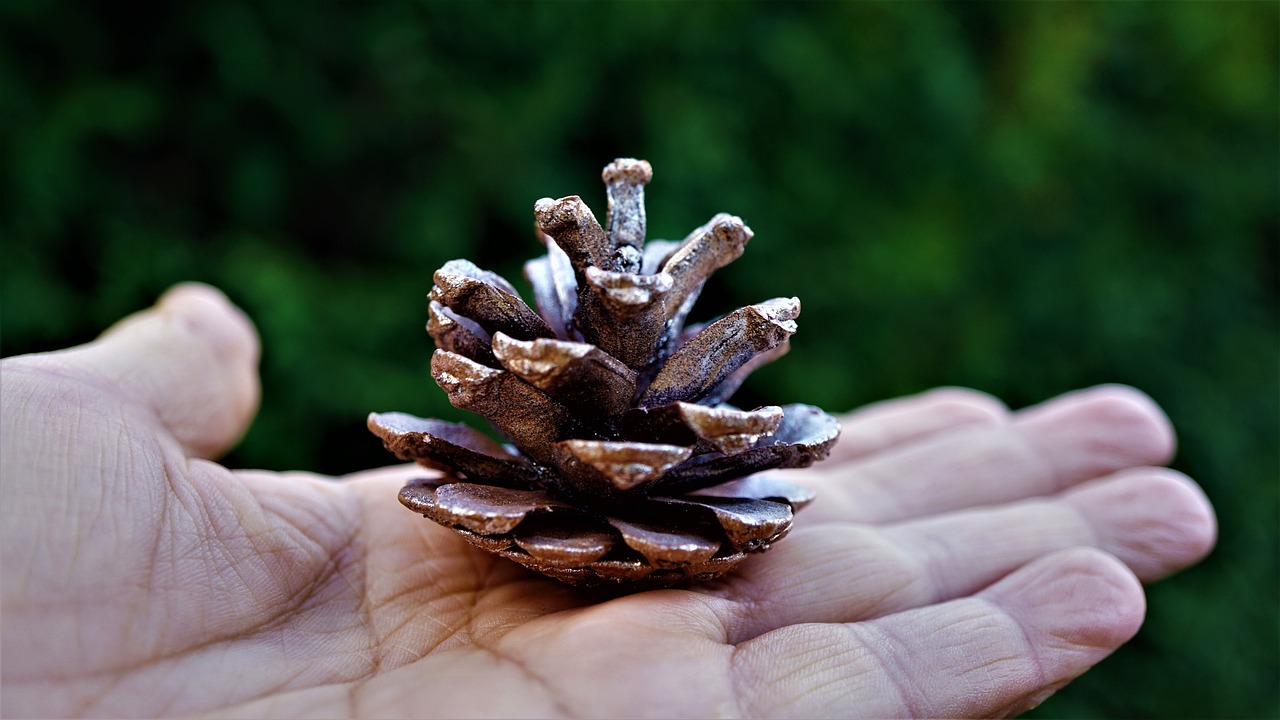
960	560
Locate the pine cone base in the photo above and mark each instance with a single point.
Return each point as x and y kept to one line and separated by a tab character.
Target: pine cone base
720	527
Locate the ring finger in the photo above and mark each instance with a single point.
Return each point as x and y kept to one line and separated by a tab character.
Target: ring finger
1156	521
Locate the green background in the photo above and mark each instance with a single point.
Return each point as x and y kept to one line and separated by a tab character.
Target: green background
1022	198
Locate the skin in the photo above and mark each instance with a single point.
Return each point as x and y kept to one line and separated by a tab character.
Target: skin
961	560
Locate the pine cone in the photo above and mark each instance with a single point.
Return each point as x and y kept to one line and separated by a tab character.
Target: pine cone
627	465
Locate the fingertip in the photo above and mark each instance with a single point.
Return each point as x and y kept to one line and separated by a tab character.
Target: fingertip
1127	404
209	315
1100	430
226	334
965	404
1158	521
1076	606
192	360
1193	512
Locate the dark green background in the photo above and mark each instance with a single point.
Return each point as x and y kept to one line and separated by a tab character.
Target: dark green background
1021	198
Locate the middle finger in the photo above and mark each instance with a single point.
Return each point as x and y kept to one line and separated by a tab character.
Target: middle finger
1046	449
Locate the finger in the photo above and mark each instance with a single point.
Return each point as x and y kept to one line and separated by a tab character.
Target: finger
1155	520
1045	449
893	422
997	653
190	361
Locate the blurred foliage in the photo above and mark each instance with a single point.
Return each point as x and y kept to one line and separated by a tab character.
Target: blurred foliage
1021	198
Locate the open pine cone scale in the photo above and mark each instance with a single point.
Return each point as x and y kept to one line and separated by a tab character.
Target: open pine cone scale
624	464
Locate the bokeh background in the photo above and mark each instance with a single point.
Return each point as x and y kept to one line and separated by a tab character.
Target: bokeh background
1021	198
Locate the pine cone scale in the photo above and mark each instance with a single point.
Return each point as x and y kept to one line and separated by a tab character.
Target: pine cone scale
663	547
624	465
759	486
530	418
555	291
708	249
580	376
576	231
749	524
459	335
804	437
624	315
487	509
451	447
726	430
625	221
713	355
488	300
567	547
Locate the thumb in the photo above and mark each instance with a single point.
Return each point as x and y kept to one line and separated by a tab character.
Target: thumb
192	360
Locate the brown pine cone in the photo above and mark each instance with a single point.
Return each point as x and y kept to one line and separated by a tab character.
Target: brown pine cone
625	464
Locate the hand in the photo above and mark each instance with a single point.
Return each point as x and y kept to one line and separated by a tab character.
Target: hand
960	560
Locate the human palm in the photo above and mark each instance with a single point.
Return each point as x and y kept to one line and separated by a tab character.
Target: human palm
960	560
